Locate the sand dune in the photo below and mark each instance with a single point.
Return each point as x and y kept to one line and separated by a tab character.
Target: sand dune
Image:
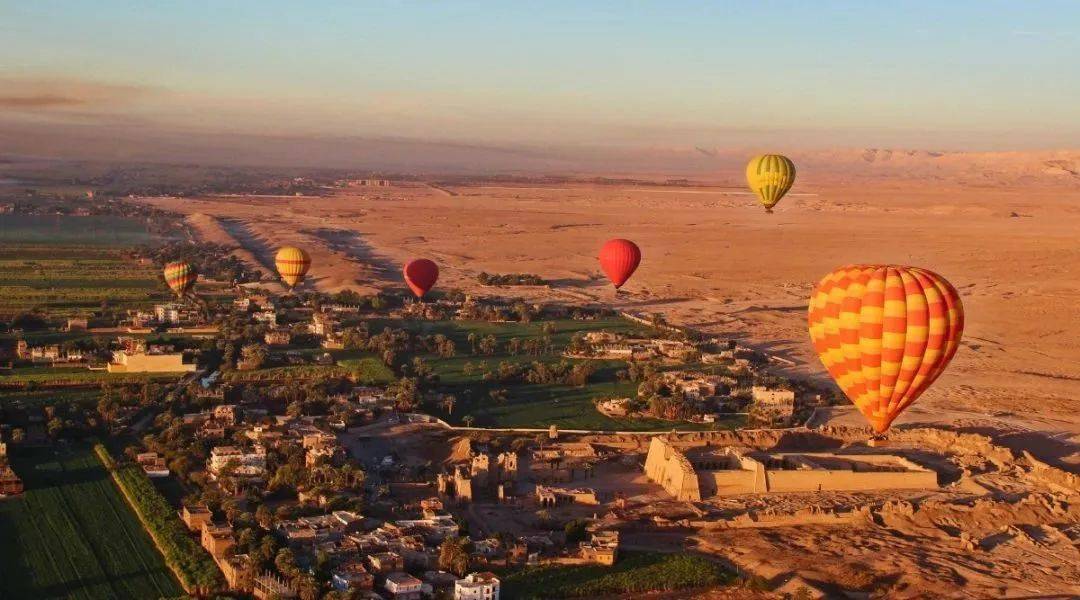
722	265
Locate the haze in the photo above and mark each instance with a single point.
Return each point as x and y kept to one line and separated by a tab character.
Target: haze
558	80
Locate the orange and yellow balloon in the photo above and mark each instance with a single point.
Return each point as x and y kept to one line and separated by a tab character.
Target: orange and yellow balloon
181	277
292	265
770	176
885	333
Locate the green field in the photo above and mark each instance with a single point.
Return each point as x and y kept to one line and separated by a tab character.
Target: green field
635	572
71	535
84	231
41	398
531	405
73	281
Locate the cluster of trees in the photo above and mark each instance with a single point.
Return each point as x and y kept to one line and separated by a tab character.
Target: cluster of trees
510	279
192	565
538	372
213	261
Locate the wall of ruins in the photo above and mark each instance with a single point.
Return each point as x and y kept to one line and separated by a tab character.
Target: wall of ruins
668	467
844	480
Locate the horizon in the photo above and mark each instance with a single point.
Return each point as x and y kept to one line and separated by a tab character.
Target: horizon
647	78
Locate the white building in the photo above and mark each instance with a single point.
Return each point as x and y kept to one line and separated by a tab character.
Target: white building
477	586
248	464
402	586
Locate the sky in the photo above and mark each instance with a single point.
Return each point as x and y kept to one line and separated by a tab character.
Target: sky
979	75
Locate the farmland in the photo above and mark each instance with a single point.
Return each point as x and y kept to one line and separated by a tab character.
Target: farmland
72	266
71	535
636	572
529	405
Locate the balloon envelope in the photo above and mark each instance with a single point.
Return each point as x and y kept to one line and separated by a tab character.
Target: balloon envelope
885	333
292	264
770	176
180	276
421	275
619	259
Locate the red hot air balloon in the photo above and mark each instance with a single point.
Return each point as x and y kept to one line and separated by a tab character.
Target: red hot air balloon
421	275
619	259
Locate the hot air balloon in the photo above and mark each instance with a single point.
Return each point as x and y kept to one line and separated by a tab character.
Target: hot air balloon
885	333
619	259
292	264
770	177
421	275
181	277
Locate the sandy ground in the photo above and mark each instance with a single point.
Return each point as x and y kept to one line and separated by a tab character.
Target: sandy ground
715	261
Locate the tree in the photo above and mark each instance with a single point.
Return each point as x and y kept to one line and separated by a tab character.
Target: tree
468	420
454	555
574	531
253	356
286	563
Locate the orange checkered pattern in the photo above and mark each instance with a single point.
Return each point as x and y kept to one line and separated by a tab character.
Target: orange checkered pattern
885	333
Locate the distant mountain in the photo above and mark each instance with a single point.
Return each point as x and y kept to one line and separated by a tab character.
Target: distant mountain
133	142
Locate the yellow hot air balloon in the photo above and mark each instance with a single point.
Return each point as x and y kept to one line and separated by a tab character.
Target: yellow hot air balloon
885	333
292	264
770	177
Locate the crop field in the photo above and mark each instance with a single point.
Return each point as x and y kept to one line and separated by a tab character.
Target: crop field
531	405
42	398
71	535
635	572
70	281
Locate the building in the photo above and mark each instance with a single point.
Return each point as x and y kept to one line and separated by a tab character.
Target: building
351	576
554	496
705	472
76	324
152	464
272	587
195	517
477	586
244	463
136	357
10	484
217	539
386	562
402	586
602	548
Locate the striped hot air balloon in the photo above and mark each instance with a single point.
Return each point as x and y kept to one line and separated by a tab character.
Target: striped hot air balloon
181	277
770	177
885	333
619	259
292	264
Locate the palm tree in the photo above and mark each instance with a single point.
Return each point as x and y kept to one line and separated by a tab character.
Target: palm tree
468	420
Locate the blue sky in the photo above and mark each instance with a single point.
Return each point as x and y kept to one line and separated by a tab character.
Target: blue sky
932	74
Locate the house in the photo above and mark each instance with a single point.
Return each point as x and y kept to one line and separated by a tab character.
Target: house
76	325
477	586
136	357
386	562
195	517
247	464
402	586
351	576
602	548
10	484
217	539
152	464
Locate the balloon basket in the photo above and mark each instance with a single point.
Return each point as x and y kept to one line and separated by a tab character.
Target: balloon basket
878	441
